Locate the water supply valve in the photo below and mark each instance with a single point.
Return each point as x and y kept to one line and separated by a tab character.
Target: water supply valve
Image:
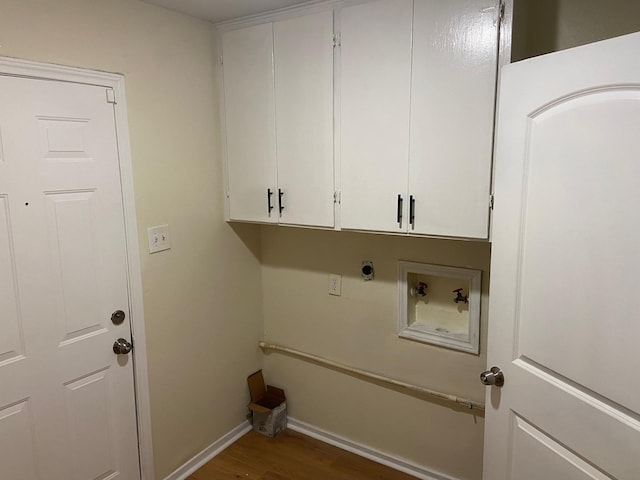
420	289
460	298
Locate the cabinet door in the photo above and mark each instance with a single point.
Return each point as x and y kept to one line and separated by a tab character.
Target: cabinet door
452	107
250	122
303	55
375	95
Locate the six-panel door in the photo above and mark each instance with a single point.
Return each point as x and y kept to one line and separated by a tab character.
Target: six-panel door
67	407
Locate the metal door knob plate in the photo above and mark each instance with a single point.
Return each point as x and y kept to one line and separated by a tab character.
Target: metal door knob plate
492	377
122	347
117	317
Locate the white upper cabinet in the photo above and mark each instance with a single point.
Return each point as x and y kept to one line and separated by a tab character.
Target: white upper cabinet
455	50
303	54
375	81
418	83
413	83
250	123
278	114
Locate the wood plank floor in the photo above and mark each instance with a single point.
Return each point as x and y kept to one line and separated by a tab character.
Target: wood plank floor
291	456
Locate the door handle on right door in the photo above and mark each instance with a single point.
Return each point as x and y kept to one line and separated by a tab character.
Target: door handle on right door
492	377
122	347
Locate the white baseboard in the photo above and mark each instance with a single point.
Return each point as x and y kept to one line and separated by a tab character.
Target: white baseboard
392	461
211	451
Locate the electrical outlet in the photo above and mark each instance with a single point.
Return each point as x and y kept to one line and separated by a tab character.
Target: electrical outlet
335	284
158	238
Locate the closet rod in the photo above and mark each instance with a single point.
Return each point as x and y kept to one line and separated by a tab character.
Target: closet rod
374	376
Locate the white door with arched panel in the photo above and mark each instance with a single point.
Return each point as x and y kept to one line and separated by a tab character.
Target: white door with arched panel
563	319
67	406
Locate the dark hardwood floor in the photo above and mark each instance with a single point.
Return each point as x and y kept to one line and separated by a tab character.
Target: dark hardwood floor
291	456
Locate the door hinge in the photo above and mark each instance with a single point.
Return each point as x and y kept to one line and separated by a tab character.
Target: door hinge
336	196
111	96
497	11
491	202
221	60
336	40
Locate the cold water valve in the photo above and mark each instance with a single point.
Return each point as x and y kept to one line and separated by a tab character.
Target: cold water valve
460	298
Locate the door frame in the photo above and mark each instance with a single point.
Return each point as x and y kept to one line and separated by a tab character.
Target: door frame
46	71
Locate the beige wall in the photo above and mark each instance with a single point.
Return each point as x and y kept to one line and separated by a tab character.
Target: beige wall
202	298
359	329
543	26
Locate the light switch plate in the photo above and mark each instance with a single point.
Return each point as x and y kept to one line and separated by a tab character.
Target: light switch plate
158	238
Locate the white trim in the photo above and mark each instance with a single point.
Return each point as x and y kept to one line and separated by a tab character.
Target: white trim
306	8
300	9
211	451
223	124
26	68
29	69
141	371
337	116
392	461
504	58
427	334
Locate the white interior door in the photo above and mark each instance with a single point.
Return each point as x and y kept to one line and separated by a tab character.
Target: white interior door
250	123
67	407
303	58
374	108
564	312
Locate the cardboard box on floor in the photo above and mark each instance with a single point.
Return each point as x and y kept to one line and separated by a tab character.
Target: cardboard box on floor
268	406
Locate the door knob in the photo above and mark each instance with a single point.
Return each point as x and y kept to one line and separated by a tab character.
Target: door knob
492	377
122	347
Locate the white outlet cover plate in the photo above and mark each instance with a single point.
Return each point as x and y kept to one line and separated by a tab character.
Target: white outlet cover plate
158	238
335	284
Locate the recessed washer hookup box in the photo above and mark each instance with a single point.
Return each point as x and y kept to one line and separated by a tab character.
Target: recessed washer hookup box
268	406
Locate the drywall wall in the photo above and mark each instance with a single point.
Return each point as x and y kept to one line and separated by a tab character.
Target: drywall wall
359	328
543	26
202	297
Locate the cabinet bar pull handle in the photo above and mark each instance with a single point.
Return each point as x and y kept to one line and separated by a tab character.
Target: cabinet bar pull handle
280	204
399	213
412	211
269	206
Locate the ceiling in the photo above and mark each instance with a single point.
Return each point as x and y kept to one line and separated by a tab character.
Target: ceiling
220	10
